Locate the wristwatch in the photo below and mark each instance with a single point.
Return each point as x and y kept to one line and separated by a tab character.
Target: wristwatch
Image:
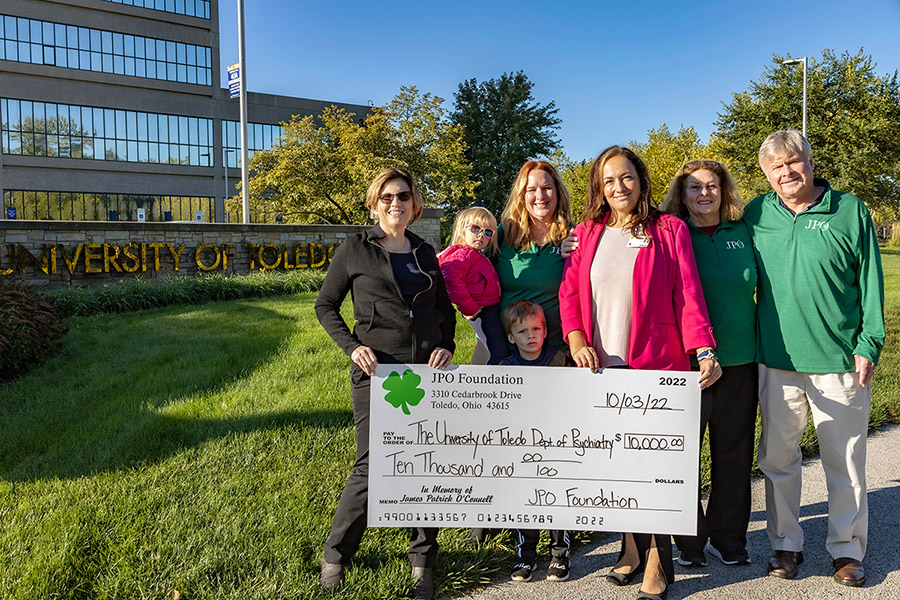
708	353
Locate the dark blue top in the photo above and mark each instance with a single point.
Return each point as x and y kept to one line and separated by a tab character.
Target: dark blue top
548	354
410	279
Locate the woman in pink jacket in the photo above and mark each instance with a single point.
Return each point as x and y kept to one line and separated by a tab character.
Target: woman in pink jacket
631	298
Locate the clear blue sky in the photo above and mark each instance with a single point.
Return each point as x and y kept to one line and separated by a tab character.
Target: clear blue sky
614	69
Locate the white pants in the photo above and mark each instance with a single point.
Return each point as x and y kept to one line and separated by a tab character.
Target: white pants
840	411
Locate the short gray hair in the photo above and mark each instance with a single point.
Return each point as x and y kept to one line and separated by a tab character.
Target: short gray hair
786	140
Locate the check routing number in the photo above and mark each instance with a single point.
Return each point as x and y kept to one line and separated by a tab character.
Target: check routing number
534	448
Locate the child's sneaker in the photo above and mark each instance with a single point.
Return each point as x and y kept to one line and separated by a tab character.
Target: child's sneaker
522	572
558	569
732	559
692	560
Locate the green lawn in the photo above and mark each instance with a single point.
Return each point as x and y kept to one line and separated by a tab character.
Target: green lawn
886	390
203	449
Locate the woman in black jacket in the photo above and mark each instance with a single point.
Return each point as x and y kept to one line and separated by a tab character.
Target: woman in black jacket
403	315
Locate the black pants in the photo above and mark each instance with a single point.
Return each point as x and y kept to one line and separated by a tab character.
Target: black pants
492	326
728	408
528	541
349	522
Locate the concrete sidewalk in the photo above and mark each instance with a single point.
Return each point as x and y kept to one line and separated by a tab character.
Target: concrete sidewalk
716	581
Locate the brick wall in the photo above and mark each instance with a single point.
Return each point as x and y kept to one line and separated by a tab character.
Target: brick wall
91	252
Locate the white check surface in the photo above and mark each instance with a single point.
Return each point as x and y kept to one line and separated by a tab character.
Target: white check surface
534	448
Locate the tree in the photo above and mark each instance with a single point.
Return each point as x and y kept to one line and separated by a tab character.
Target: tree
504	127
575	176
852	125
665	152
320	168
432	148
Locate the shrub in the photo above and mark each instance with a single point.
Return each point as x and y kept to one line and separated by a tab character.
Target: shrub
141	294
29	331
894	242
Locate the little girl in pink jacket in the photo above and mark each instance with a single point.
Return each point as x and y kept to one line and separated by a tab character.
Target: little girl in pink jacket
472	282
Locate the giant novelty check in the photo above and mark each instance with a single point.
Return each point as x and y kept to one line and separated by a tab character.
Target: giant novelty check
534	448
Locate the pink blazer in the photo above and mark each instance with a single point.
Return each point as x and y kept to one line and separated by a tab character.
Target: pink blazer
668	312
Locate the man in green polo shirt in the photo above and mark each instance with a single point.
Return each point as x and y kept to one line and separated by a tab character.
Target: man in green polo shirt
821	330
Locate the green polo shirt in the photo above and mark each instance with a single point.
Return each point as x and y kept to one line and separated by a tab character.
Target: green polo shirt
727	268
821	287
534	274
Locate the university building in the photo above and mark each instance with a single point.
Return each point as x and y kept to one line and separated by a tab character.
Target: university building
107	106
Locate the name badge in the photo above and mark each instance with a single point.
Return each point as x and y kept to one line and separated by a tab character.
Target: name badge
638	242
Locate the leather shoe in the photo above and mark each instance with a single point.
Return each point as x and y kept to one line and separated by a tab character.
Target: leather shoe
784	563
617	578
331	575
648	596
849	571
423	588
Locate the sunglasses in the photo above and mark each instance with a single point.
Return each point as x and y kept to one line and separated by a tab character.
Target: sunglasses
694	165
487	232
401	196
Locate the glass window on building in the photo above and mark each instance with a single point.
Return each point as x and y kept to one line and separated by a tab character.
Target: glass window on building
73	47
191	8
70	131
78	206
260	136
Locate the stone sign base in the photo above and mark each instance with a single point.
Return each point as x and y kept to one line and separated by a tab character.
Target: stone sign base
46	253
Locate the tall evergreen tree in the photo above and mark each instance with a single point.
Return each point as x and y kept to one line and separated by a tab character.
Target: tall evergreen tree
504	127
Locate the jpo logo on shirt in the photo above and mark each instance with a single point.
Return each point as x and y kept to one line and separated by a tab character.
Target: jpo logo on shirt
734	245
814	224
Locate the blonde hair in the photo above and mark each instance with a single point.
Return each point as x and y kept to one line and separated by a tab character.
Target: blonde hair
515	218
479	216
786	140
378	184
731	208
520	310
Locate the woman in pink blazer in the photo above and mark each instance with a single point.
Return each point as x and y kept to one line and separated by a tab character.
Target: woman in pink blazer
631	298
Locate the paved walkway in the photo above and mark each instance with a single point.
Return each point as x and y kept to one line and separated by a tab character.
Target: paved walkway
716	581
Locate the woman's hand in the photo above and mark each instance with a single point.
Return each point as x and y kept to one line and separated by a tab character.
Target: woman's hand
710	371
473	317
440	358
582	354
365	359
586	357
568	246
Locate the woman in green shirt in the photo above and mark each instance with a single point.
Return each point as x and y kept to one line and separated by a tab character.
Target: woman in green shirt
534	223
703	193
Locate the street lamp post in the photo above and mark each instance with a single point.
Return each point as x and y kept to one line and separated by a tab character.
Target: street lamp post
800	61
242	59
